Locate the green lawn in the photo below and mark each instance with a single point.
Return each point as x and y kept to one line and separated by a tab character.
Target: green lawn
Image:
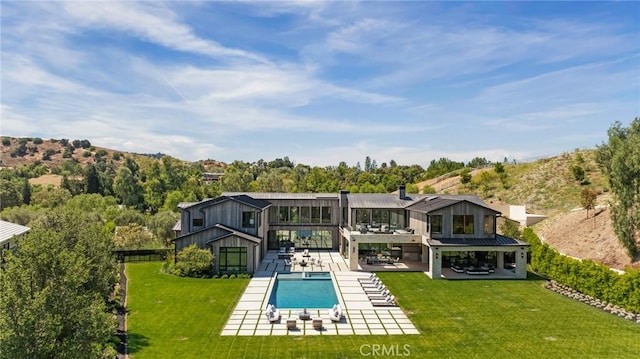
172	317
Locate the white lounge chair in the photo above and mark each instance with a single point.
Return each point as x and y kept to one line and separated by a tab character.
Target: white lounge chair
379	288
389	301
379	295
372	282
272	313
335	313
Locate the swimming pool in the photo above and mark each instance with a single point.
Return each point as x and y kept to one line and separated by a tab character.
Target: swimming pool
312	290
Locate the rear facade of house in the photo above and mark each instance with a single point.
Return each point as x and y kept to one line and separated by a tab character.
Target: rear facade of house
434	233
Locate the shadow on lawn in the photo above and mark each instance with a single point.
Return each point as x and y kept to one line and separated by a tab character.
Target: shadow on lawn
136	342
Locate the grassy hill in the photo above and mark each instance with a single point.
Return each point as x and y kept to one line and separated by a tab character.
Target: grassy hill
547	186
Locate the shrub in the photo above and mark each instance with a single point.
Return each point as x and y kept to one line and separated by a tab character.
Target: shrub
37	141
6	141
194	262
86	154
585	276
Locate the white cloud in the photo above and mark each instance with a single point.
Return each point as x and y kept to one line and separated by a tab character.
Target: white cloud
153	23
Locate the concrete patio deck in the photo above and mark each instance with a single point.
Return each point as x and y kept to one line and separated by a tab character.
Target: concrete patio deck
360	316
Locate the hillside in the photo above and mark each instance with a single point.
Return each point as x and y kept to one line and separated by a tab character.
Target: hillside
51	153
549	187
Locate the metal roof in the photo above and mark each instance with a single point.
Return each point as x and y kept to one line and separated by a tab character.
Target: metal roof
282	195
242	198
499	240
435	203
8	230
178	226
382	200
233	232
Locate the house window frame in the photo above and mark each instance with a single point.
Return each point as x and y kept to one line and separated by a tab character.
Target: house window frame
197	222
249	219
468	226
225	252
489	226
435	225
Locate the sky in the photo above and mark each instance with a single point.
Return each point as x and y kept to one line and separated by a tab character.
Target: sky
321	82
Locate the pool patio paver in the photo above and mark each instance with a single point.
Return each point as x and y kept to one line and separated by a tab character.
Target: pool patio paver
360	316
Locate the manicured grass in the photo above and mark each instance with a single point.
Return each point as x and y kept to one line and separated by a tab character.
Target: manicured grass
174	317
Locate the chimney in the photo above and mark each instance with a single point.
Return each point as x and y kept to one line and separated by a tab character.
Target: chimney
402	191
343	203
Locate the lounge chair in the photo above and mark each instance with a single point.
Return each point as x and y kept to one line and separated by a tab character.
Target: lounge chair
377	289
292	323
374	281
292	250
272	313
335	313
369	278
317	324
389	301
379	295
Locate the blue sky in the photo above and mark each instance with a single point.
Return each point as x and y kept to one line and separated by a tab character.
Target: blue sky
321	82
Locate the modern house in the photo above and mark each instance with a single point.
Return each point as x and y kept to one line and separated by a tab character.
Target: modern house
432	233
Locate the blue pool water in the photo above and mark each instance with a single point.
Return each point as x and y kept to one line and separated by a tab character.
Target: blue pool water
313	291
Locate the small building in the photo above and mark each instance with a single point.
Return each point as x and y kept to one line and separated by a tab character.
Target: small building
9	232
433	233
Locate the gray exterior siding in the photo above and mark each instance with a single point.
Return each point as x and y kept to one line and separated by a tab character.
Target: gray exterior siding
233	241
463	208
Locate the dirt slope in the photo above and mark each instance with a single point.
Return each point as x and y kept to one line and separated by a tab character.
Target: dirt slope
591	238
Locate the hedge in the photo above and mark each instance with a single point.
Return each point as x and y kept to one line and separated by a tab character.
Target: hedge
585	276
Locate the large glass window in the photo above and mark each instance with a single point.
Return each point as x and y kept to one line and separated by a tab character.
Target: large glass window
362	216
283	214
305	215
315	214
489	224
326	214
294	213
397	219
249	219
436	224
393	219
233	259
197	222
462	224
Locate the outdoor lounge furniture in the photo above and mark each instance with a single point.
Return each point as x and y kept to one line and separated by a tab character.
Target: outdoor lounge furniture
389	301
379	288
374	281
292	323
305	253
335	313
369	278
272	313
317	323
457	269
379	295
476	270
